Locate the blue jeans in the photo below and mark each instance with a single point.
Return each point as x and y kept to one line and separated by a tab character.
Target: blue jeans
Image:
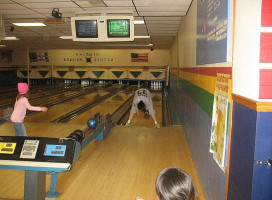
19	129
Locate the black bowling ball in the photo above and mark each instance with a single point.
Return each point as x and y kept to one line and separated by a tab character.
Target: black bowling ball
77	135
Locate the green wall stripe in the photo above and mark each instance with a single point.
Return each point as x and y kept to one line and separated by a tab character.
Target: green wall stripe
203	98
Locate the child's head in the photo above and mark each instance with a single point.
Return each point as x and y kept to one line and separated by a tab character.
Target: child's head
174	184
141	106
22	88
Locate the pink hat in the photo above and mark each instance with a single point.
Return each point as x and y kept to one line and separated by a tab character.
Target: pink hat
22	88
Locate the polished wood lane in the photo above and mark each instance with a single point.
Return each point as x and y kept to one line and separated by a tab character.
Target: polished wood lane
62	109
139	120
121	167
105	107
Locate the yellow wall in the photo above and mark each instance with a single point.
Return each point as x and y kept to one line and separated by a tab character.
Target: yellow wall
99	57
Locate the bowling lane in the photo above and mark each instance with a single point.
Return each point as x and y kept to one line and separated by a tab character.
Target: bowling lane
51	94
138	120
105	107
63	108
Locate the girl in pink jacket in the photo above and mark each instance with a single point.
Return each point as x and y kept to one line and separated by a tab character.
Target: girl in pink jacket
20	107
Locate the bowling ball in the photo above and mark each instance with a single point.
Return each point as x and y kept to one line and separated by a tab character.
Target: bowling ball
80	134
92	123
74	136
77	135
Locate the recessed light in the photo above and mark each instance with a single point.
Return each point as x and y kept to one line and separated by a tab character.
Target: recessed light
141	36
10	38
138	22
29	24
66	37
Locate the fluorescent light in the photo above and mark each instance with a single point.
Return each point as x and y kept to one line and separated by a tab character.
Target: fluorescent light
29	24
149	45
2	46
66	37
138	22
141	36
10	38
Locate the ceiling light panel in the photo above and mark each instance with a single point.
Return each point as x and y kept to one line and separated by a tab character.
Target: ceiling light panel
84	4
119	3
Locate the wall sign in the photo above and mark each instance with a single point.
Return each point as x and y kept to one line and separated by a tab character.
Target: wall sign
213	18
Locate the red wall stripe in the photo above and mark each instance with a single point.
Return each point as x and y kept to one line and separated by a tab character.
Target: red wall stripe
267	13
265	84
266	48
209	71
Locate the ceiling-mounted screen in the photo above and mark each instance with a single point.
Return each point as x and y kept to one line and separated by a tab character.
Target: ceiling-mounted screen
102	28
118	28
86	28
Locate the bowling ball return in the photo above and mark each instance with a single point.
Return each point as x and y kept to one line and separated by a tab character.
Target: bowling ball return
39	156
82	139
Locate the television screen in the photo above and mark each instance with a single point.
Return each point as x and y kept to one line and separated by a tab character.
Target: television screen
118	28
86	28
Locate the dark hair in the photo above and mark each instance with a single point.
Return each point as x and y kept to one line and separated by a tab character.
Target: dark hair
174	184
141	106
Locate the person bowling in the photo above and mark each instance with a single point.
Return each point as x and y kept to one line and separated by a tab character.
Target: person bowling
142	101
20	107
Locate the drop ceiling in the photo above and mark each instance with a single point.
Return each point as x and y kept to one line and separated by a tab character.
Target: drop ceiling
161	17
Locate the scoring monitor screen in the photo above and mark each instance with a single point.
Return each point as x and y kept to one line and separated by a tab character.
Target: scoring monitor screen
118	28
86	29
55	150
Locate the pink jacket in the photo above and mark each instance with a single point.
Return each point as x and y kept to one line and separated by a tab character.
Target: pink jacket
20	107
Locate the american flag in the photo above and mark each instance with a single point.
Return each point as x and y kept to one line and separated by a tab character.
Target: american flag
139	57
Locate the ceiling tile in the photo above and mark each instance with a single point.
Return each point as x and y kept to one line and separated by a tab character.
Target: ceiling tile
162	19
118	3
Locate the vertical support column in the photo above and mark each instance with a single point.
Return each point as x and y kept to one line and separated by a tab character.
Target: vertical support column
52	79
34	185
52	193
27	64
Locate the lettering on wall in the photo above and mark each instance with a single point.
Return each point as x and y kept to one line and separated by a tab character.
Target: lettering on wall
88	57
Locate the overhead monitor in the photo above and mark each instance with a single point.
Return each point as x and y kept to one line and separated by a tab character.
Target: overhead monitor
118	28
86	28
102	28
